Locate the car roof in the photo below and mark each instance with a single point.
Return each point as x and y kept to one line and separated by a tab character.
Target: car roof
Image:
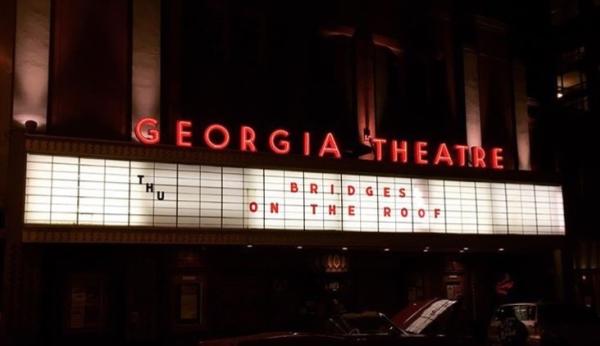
520	304
353	315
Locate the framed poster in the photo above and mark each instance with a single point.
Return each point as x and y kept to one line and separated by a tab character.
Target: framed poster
187	305
85	303
189	302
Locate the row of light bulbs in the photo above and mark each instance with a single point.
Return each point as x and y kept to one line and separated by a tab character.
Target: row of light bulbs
387	249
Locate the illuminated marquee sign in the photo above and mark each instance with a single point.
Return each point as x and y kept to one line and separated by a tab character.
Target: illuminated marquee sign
218	137
85	191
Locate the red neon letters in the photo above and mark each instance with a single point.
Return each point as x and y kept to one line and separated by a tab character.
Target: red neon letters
330	147
443	155
247	138
217	137
153	134
421	153
182	133
208	136
279	146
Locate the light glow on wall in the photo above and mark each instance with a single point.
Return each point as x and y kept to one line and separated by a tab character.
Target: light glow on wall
65	190
32	42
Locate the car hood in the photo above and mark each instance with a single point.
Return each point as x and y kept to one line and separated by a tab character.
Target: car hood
234	341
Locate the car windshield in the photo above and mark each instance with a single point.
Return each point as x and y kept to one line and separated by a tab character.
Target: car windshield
366	323
432	313
521	312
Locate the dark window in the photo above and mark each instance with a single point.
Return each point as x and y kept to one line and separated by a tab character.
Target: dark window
563	10
390	96
573	56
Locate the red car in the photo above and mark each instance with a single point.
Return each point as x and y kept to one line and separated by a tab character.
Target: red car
367	328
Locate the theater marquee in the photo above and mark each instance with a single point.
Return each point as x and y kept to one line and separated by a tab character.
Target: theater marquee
83	191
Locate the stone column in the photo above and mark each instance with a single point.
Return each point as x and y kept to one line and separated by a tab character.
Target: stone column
521	116
7	46
472	110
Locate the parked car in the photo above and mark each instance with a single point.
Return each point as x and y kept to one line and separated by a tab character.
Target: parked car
544	324
366	328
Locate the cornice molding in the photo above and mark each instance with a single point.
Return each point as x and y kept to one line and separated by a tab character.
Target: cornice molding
410	242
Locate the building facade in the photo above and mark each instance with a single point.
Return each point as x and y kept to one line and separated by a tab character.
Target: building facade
180	170
576	99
